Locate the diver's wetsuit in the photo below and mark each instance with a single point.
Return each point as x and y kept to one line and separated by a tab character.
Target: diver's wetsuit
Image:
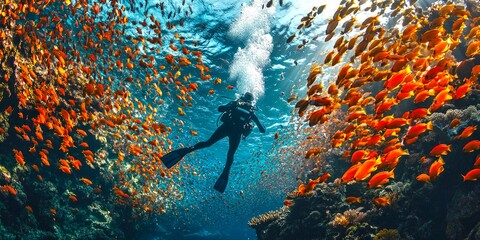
230	129
236	122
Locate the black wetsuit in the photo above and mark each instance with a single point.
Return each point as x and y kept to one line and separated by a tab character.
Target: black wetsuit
232	129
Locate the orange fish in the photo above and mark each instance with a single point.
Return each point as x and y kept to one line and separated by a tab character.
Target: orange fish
440	99
358	156
423	177
81	132
29	209
397	123
381	202
352	200
310	186
350	173
380	179
462	90
19	157
477	162
395	80
472	146
44	159
288	203
76	163
10	189
65	169
423	95
312	152
436	169
392	157
35	167
86	181
73	198
64	162
454	123
440	149
418	129
366	169
472	175
467	132
323	178
419	113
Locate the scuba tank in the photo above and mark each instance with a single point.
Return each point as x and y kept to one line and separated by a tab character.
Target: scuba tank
240	115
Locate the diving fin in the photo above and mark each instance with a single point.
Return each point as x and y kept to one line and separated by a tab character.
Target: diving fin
173	157
221	183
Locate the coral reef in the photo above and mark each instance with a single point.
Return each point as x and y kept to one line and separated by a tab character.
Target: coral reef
265	219
347	218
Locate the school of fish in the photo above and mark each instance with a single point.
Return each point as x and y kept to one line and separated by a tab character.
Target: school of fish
388	81
85	73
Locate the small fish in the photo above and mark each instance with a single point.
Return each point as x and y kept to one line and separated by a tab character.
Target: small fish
472	146
440	149
290	39
419	113
418	129
65	169
9	189
423	178
349	175
380	179
352	199
269	3
29	209
472	175
366	168
381	202
323	178
288	203
86	181
467	132
477	162
436	169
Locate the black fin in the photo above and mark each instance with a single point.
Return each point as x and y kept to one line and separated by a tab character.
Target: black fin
173	157
221	183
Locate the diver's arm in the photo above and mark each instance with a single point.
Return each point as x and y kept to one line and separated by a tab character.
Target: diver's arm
230	105
259	125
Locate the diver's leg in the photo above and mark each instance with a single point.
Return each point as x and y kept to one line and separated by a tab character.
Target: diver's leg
222	181
219	133
233	143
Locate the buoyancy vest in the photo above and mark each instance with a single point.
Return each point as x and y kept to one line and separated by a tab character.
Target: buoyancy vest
240	116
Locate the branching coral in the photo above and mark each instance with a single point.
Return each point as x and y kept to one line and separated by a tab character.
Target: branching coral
348	218
266	218
442	120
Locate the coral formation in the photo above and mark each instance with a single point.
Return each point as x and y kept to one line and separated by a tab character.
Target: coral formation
267	218
347	218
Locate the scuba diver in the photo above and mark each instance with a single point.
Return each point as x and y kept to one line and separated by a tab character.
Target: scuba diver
237	116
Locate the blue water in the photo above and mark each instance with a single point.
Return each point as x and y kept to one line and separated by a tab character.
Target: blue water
244	45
